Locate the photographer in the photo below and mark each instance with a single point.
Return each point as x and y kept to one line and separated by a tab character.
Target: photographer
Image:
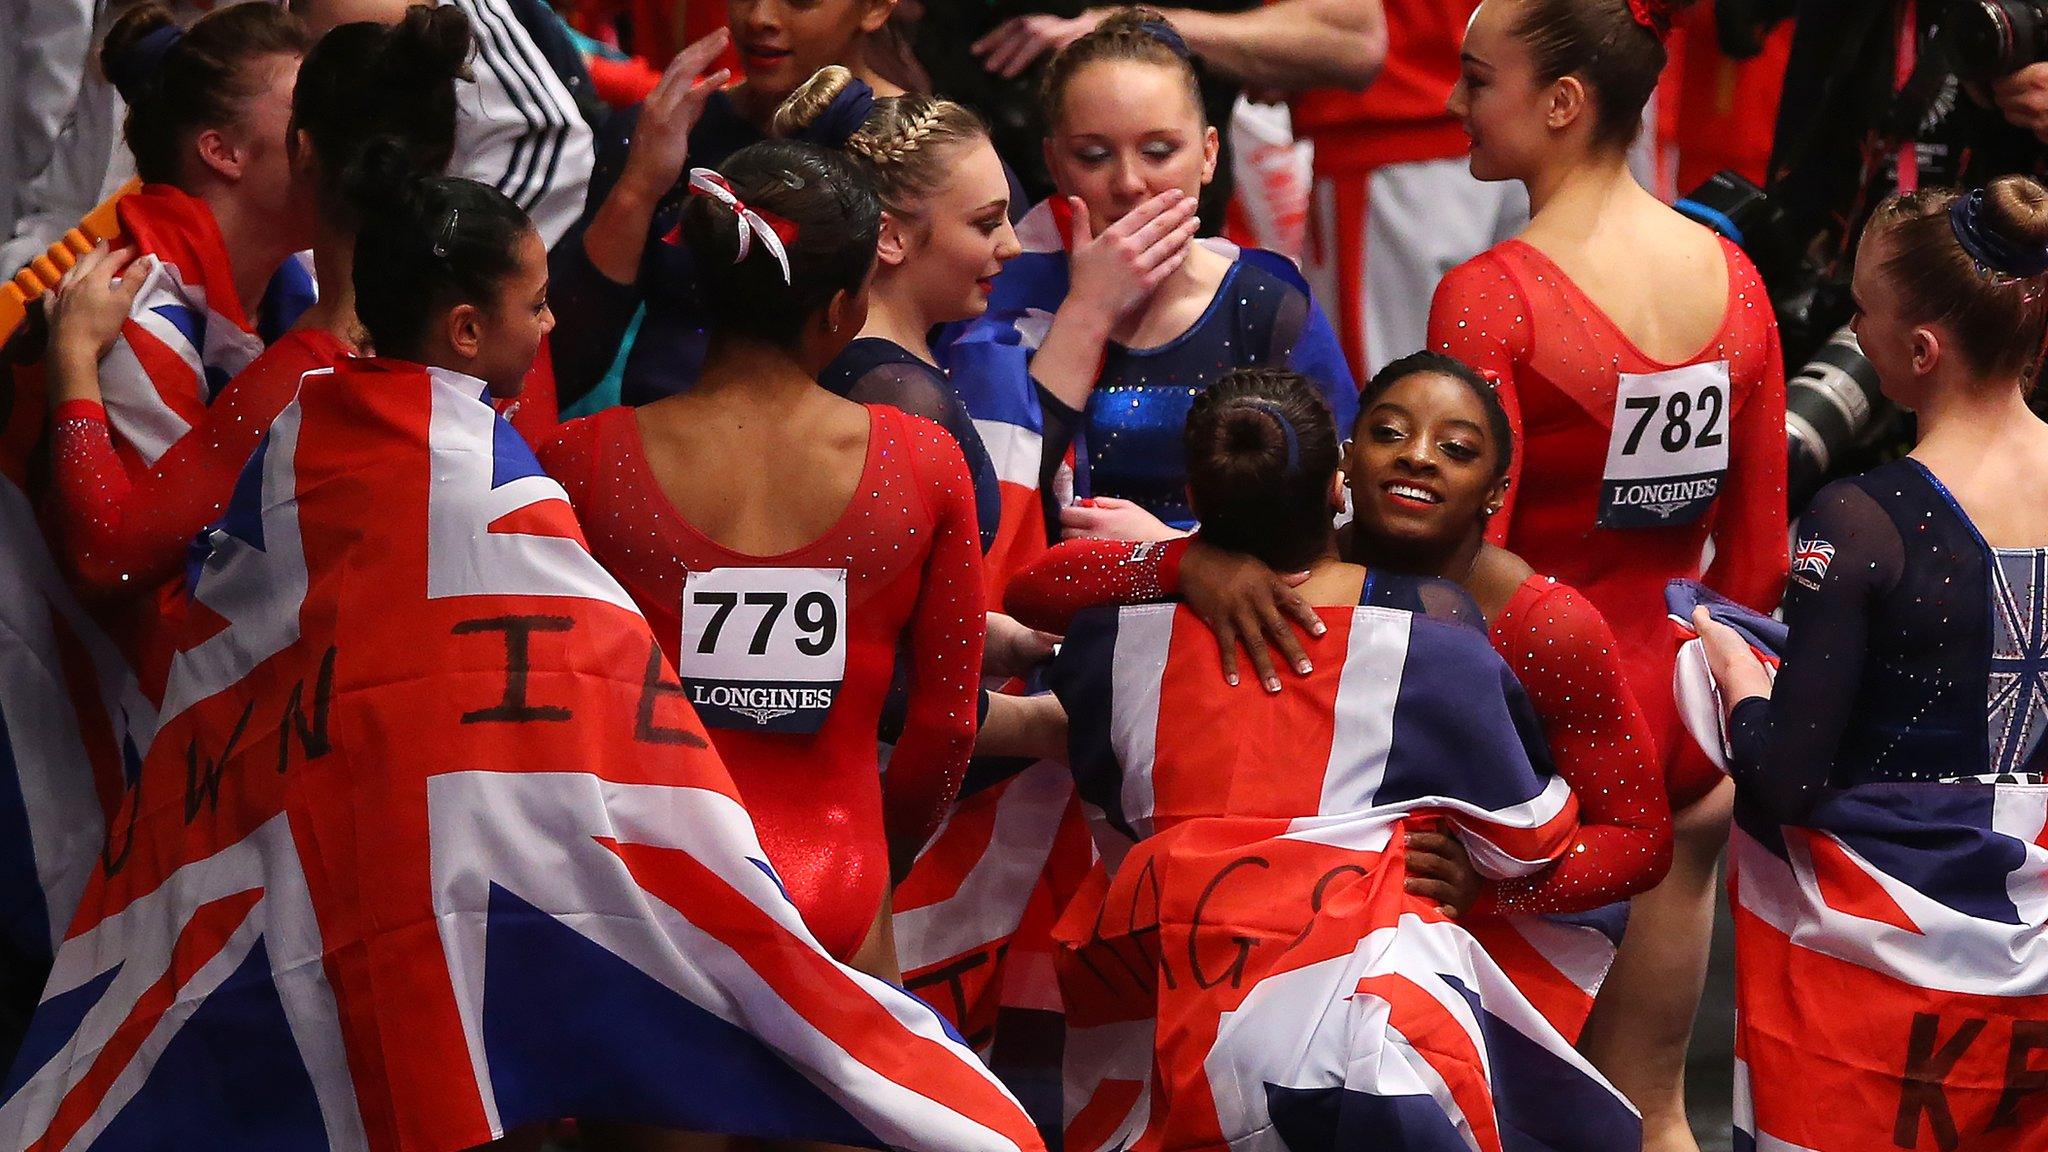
1880	95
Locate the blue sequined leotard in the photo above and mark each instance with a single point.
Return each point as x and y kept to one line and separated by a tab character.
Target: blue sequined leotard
1131	436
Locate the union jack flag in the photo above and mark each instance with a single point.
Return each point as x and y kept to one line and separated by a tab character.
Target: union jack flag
1245	968
186	335
73	727
1810	561
1891	955
430	847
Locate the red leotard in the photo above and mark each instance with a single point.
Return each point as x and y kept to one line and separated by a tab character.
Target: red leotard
1559	359
1558	647
122	536
911	548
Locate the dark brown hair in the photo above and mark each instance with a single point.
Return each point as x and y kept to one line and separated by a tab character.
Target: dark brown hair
828	195
201	81
1261	448
378	104
1137	34
438	242
1602	43
1998	319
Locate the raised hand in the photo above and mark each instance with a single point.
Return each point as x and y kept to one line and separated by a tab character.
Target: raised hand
661	142
1117	270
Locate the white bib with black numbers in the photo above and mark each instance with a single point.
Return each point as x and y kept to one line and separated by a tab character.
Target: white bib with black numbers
764	649
1668	450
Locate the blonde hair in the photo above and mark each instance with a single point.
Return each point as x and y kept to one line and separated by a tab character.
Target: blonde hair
904	138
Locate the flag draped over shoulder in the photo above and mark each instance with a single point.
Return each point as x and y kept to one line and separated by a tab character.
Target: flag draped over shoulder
429	846
1245	970
1891	954
186	335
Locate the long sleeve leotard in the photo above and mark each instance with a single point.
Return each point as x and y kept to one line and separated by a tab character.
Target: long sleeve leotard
910	552
1626	466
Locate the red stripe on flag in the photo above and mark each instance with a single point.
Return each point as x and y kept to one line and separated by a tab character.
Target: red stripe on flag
201	940
95	727
1546	986
822	992
1099	1119
1441	1040
1845	886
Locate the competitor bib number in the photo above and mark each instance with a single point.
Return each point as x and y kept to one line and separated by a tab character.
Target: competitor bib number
764	649
1669	447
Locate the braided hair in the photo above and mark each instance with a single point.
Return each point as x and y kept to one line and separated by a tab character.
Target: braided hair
906	139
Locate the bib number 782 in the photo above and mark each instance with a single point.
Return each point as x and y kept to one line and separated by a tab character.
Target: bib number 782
1680	412
1667	448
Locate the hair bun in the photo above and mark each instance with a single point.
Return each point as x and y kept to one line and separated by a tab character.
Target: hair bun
133	53
828	109
430	47
2016	207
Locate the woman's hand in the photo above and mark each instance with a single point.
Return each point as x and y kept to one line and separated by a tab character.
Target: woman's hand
1108	518
1112	273
1440	869
91	302
1246	603
86	311
1737	672
1011	649
661	141
1020	40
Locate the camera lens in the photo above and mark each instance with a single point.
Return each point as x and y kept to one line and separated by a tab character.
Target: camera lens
1829	406
1988	38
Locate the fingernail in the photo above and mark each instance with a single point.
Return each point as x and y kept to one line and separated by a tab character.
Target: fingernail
1273	684
1304	667
1447	910
1231	680
1319	629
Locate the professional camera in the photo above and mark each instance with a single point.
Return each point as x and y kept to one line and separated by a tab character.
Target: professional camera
1834	412
1990	38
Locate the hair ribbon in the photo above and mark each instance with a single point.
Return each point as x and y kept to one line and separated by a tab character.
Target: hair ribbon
772	231
1984	245
1652	14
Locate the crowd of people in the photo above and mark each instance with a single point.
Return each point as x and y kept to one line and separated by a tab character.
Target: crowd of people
718	620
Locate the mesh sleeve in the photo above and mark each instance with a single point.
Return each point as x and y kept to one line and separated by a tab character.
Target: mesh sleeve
1783	753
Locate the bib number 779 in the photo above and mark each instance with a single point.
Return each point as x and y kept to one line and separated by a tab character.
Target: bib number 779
816	620
764	649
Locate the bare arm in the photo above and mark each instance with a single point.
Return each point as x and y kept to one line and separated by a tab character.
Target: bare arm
1286	45
1290	44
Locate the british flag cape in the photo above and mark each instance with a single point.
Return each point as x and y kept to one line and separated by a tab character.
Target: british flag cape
187	332
1891	957
1244	969
973	915
429	847
73	726
73	721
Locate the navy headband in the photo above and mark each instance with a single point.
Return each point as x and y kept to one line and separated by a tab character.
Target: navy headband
144	59
841	119
1170	36
1984	245
1272	408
